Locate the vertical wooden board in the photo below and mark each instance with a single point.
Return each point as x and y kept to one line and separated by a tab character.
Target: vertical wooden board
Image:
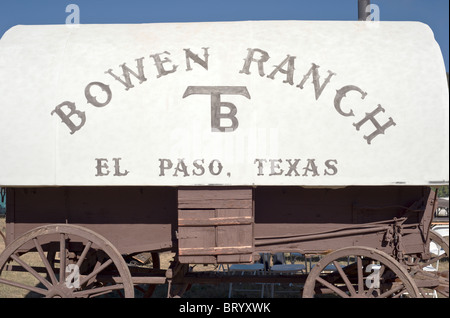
234	235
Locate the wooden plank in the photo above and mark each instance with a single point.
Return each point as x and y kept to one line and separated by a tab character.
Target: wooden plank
234	212
198	259
214	194
216	204
217	259
215	221
238	258
196	214
211	213
234	235
215	250
196	237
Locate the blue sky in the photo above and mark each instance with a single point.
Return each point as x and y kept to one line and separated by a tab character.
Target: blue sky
435	13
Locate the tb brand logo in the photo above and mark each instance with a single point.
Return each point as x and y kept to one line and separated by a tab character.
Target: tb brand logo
217	104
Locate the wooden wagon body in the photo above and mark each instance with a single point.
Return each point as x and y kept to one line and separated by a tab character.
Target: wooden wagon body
230	225
313	137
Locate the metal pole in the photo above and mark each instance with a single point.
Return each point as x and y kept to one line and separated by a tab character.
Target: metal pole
362	5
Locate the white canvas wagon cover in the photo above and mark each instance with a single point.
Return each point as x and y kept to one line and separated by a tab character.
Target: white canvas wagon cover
309	103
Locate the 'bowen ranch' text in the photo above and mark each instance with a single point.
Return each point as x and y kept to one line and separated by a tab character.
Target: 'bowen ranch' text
255	60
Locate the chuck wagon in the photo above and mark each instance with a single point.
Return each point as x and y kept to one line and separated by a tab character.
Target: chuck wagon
222	142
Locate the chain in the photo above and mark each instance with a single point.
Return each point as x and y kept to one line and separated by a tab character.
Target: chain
393	237
398	233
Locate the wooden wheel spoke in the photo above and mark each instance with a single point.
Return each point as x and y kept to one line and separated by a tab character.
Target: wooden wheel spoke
23	286
62	257
45	261
347	282
95	272
84	253
332	287
30	270
360	274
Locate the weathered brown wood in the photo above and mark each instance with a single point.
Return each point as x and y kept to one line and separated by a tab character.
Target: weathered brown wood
216	204
213	193
198	259
213	222
196	214
216	221
231	259
137	219
214	217
295	211
216	250
196	237
234	212
226	225
134	219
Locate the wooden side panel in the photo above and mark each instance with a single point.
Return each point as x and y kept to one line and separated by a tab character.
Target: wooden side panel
296	213
133	219
215	225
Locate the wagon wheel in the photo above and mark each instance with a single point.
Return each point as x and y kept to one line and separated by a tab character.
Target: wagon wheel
89	265
370	274
433	267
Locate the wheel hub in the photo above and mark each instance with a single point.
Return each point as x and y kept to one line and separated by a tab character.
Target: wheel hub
60	291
